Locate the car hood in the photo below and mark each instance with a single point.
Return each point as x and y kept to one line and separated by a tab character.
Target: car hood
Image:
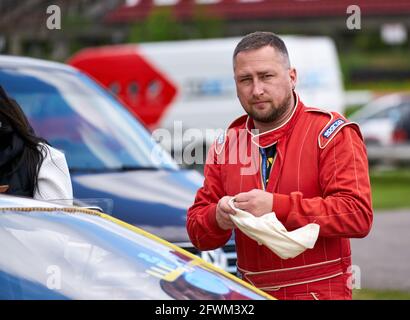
155	200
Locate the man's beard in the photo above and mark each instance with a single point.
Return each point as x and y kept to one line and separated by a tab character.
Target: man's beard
273	114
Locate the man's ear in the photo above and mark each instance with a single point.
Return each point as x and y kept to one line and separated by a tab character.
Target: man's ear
293	77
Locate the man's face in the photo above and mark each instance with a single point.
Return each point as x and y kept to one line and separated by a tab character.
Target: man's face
264	83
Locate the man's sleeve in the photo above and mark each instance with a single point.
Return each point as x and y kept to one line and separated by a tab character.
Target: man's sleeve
203	230
345	210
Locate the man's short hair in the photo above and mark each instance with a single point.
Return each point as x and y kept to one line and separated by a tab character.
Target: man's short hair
259	39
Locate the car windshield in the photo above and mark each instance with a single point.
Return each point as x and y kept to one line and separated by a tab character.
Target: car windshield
75	254
76	115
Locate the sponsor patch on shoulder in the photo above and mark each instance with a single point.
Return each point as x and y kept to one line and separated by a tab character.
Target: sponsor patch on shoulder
332	128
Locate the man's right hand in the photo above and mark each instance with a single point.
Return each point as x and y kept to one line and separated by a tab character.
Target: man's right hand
223	212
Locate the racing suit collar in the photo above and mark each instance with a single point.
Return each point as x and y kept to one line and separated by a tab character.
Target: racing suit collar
270	137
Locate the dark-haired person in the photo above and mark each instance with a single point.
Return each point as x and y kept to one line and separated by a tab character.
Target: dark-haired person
28	165
305	164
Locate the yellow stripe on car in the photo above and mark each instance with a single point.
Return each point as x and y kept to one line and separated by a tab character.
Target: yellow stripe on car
171	275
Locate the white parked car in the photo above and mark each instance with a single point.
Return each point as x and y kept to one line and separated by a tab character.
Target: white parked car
379	118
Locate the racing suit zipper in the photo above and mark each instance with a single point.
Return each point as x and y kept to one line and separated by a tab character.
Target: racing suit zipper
263	176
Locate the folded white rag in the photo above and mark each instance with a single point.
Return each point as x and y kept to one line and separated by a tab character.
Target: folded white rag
269	231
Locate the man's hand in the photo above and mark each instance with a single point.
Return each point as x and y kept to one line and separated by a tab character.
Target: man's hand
256	202
223	212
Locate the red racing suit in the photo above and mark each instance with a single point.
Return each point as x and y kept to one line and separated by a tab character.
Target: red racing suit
319	175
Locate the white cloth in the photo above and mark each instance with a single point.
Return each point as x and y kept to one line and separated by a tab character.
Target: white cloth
269	231
54	182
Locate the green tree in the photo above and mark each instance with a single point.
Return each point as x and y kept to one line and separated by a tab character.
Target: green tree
160	25
206	24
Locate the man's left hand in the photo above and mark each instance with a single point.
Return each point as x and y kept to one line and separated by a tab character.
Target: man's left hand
256	202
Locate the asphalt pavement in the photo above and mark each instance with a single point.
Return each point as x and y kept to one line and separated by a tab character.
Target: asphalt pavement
383	257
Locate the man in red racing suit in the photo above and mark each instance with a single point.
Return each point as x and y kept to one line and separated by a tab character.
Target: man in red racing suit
319	175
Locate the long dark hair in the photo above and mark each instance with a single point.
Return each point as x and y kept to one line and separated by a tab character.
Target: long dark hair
33	151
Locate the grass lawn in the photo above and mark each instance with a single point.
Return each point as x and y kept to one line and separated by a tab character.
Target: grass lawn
390	189
367	294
